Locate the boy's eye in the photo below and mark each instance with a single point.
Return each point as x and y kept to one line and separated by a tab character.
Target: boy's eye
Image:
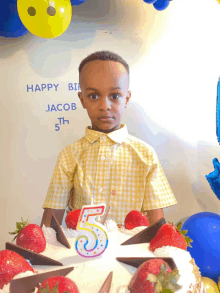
116	96
93	96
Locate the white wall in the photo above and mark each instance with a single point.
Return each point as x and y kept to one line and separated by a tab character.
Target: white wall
174	60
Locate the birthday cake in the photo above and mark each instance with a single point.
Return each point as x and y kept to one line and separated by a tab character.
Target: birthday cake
90	273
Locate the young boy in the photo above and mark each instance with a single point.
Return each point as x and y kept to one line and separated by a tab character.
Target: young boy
107	164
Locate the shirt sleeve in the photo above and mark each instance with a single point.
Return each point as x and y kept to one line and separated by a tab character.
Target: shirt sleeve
158	193
62	181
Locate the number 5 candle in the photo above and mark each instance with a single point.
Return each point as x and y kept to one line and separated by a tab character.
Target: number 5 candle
93	236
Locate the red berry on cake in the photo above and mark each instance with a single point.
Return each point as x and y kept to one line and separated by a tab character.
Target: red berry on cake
58	285
154	276
72	218
29	236
12	264
135	219
170	235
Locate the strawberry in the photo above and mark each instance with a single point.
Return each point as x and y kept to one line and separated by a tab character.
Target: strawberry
72	218
154	276
12	264
169	235
58	285
29	236
135	219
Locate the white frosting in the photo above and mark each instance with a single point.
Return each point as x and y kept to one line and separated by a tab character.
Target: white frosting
180	256
69	233
124	290
182	260
91	273
50	235
22	275
132	232
111	225
6	288
203	288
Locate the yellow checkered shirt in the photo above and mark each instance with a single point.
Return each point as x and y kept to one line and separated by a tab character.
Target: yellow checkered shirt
116	168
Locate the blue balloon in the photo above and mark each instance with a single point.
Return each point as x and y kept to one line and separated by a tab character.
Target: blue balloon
161	4
204	229
150	1
10	23
214	178
218	112
77	2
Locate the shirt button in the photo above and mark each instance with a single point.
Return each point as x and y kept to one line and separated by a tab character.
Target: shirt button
113	192
102	158
100	189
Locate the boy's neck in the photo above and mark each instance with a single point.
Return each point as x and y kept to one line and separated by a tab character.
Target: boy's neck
105	131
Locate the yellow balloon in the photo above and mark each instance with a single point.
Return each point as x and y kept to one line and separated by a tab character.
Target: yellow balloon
210	285
45	18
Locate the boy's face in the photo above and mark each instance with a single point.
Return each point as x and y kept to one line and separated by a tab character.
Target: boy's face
104	86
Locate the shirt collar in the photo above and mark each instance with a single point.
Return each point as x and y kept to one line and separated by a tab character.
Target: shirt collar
117	136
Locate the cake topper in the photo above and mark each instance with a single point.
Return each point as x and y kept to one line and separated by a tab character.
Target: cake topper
107	284
59	232
34	257
28	284
146	235
93	236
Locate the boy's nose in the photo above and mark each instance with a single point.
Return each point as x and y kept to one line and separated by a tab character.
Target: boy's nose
105	104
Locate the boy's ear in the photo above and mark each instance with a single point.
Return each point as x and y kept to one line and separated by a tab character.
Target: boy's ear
81	99
128	96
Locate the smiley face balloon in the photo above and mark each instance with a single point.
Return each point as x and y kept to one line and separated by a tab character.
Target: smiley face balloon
45	18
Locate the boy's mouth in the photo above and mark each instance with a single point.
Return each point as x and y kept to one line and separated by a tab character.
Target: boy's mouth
105	118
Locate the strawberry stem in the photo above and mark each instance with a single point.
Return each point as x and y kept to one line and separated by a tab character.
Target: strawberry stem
183	233
54	289
19	227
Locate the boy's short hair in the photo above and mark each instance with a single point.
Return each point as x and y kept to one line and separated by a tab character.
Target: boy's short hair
105	56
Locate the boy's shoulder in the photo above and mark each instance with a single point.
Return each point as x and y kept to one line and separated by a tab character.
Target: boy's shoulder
77	146
133	140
